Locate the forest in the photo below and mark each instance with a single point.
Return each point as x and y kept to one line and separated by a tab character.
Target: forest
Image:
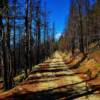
34	65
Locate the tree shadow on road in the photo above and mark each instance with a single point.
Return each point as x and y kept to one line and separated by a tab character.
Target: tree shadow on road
78	63
65	92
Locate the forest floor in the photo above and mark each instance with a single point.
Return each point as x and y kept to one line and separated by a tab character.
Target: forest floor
57	79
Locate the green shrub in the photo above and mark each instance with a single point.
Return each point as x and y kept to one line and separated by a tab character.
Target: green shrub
98	65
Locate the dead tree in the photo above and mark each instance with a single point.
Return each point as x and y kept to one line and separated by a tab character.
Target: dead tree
81	42
26	39
4	47
88	18
45	29
14	40
9	60
30	39
38	30
53	38
72	27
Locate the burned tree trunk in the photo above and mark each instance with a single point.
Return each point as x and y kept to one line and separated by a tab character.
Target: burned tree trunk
14	41
81	45
38	32
26	39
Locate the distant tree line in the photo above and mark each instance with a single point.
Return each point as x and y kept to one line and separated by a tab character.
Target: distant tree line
26	37
83	26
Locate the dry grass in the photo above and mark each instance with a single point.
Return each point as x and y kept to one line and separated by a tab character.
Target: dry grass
91	66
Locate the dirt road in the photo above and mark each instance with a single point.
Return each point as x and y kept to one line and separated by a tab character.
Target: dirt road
52	80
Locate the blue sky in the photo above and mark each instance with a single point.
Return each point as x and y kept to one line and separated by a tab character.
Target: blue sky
59	12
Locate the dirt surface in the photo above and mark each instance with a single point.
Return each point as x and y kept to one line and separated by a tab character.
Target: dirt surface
90	66
52	80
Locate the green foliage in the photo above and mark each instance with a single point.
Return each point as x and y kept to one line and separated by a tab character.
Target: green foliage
98	65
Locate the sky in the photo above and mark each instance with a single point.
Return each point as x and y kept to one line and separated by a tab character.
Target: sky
59	13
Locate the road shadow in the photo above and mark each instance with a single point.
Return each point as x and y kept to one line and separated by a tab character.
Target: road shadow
66	92
51	94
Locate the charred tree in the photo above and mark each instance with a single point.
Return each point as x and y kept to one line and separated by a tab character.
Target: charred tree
6	50
26	39
4	47
14	40
38	30
81	42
